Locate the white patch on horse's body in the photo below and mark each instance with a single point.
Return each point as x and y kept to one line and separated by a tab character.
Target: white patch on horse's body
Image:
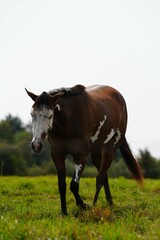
110	135
77	169
58	107
118	137
95	136
42	121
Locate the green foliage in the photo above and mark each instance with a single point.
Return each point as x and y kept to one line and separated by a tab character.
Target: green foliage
6	134
12	160
30	209
15	123
151	167
118	169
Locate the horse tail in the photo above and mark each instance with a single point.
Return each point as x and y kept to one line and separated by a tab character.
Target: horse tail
130	162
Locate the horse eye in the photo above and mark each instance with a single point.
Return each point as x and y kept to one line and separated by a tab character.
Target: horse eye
50	116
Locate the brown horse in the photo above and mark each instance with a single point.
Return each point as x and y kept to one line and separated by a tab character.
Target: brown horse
80	121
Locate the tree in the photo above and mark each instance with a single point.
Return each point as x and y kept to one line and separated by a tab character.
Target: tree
9	127
12	158
6	134
150	165
12	161
15	123
22	141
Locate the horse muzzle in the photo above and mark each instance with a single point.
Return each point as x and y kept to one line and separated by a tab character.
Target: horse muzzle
36	146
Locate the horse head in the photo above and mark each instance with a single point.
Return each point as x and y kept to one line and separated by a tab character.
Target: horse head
42	113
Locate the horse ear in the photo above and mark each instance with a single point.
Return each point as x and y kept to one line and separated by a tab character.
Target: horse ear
32	95
55	98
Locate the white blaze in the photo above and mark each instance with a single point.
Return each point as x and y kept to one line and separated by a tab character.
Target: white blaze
42	121
95	136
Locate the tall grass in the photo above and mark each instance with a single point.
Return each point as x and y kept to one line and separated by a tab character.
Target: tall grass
30	209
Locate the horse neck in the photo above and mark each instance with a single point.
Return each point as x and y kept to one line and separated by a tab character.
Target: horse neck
63	114
73	115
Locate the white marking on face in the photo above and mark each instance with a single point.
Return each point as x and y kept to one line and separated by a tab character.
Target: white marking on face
110	135
58	106
42	121
77	168
118	137
95	136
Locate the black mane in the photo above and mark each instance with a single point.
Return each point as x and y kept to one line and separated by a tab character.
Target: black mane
44	100
68	91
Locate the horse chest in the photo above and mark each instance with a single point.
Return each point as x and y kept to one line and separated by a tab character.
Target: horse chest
73	145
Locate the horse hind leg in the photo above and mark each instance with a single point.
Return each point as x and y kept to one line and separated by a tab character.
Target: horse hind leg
107	191
96	160
99	184
102	178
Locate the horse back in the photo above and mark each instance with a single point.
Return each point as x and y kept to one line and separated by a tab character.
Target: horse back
108	101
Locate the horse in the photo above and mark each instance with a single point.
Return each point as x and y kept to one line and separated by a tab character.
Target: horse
81	121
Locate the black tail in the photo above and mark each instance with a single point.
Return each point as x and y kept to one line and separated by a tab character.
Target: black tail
130	161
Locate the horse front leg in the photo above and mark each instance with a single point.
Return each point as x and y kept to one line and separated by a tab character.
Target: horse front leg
74	185
62	190
61	171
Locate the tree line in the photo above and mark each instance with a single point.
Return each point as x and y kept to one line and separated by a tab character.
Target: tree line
16	157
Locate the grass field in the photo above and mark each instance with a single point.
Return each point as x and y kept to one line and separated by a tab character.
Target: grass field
30	209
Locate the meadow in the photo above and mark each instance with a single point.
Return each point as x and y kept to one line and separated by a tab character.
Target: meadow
30	209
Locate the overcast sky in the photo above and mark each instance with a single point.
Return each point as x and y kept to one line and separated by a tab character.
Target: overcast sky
46	44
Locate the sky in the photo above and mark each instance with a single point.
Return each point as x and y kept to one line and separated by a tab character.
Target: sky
46	44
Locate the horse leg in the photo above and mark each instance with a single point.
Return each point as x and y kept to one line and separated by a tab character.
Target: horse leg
96	159
99	184
61	171
107	191
74	185
102	178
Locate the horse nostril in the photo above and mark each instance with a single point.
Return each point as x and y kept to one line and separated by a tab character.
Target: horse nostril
36	147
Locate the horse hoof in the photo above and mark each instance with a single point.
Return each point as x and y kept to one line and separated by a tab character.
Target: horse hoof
84	206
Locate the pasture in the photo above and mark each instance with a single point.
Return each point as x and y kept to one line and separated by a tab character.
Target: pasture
30	209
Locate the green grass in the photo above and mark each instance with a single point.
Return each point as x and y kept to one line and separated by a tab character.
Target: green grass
30	209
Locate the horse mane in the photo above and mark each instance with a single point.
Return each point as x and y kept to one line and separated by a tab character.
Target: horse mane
77	89
42	100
